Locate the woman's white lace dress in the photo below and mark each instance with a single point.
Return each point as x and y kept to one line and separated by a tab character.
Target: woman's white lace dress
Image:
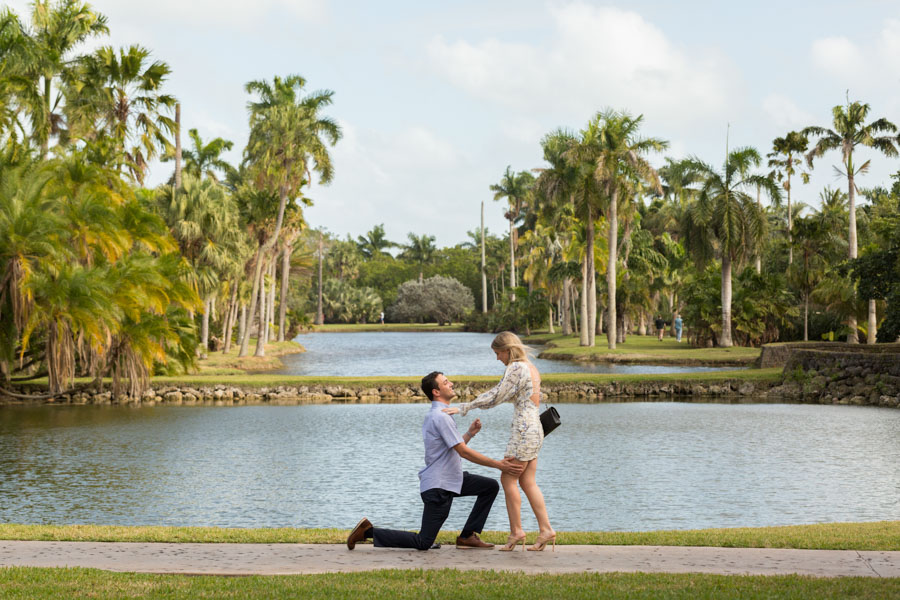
527	434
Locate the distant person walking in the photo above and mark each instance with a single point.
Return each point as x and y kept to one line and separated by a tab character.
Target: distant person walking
382	317
660	327
679	325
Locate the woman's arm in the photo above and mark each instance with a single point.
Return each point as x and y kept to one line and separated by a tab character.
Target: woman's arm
500	393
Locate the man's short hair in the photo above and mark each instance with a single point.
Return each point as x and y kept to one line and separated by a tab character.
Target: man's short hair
429	384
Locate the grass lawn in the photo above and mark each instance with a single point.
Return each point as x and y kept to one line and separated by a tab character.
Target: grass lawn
643	349
883	535
20	583
338	327
217	363
247	380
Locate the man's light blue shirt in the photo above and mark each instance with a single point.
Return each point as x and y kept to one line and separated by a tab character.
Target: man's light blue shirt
443	466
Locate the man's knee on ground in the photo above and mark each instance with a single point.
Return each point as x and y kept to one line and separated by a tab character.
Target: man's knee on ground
424	542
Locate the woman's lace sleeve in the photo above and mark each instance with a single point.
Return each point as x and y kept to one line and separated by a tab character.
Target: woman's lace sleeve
502	392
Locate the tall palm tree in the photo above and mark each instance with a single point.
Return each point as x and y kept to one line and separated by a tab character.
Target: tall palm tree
785	157
205	158
806	274
620	159
725	220
849	131
374	243
57	29
514	188
289	139
117	95
420	251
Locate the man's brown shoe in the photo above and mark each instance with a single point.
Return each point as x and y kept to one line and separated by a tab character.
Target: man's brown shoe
473	541
359	533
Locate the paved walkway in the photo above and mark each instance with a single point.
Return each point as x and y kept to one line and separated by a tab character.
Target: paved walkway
283	559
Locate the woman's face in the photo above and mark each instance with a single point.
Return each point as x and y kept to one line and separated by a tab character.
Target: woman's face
502	356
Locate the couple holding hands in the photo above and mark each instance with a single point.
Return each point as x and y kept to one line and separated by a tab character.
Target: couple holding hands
443	479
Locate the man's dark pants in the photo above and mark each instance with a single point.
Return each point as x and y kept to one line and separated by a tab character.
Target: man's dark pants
437	508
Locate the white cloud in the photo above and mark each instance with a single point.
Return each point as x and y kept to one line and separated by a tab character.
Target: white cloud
596	57
837	55
785	114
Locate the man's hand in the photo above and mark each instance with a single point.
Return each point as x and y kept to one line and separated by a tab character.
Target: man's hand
510	467
451	410
475	427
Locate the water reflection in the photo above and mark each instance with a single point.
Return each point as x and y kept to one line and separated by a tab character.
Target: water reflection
634	466
364	354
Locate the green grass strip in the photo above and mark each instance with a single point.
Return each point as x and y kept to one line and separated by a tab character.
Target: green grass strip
20	583
882	535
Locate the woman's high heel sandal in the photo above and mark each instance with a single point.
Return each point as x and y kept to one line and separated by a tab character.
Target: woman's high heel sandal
541	542
511	543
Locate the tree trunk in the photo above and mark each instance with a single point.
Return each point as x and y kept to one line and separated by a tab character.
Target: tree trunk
270	323
852	337
725	336
642	323
320	316
242	324
790	222
758	253
257	270
229	320
806	317
584	339
204	329
263	314
512	264
620	326
285	282
177	145
550	317
873	323
611	267
564	309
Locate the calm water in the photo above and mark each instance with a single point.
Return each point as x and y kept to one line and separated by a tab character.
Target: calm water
634	466
417	353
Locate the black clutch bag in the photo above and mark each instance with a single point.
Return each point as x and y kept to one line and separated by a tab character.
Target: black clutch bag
550	420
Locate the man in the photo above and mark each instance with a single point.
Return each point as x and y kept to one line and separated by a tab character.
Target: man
443	479
679	326
660	327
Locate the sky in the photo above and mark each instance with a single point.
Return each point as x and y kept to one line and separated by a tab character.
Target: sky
436	99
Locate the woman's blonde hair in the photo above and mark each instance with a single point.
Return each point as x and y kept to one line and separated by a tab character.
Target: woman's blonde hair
507	340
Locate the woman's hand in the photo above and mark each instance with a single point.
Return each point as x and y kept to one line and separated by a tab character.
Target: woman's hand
451	410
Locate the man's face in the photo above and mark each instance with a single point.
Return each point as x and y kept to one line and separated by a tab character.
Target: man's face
445	389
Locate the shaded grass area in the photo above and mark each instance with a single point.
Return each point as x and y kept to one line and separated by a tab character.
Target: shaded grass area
643	349
217	363
265	380
37	583
352	327
882	535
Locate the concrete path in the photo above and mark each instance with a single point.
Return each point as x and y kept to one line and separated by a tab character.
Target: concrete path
283	559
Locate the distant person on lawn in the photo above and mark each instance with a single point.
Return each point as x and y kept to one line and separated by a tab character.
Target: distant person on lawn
443	479
679	326
660	327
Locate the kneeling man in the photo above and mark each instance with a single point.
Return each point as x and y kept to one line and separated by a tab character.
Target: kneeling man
443	479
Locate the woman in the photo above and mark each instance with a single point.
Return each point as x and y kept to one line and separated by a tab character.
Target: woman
521	384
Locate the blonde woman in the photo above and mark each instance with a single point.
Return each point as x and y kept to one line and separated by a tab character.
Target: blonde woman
521	385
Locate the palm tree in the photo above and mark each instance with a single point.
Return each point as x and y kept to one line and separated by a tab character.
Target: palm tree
420	251
205	159
513	187
374	243
807	273
785	158
849	131
725	220
56	30
620	159
117	95
289	138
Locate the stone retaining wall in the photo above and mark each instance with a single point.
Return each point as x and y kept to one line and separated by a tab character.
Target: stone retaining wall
226	395
843	374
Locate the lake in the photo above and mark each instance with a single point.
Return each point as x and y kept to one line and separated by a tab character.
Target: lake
363	354
628	466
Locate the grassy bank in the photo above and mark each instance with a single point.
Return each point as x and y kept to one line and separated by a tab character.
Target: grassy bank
20	583
218	363
643	349
265	380
352	327
883	535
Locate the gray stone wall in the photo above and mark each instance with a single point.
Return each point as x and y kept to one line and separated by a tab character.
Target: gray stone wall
227	395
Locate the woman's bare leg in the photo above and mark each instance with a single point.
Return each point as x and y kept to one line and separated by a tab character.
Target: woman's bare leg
510	485
535	497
